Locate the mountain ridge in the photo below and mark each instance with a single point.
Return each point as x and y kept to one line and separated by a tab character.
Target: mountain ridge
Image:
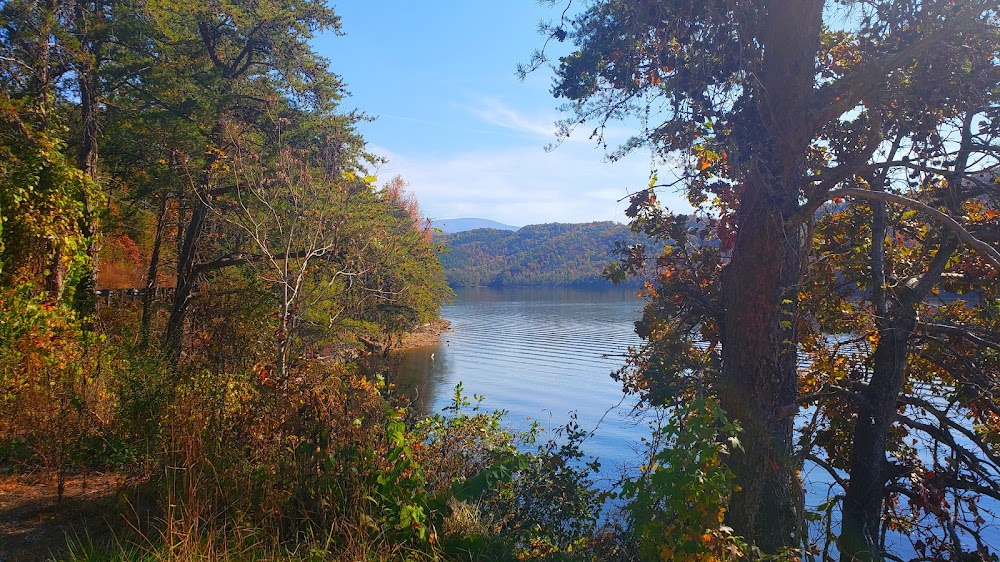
538	255
464	224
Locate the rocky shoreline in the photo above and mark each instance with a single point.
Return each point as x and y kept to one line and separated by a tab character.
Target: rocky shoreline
425	335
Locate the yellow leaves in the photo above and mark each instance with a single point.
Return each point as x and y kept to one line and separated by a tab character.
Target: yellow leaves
707	158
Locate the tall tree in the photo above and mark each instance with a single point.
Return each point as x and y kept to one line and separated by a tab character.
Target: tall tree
771	105
43	189
228	67
900	252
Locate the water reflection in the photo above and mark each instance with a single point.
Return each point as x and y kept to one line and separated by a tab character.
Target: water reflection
420	374
539	354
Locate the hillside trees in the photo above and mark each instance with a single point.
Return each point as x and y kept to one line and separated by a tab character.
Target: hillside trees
43	192
223	149
560	255
775	108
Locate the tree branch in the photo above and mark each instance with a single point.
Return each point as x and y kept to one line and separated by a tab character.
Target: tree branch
243	259
960	331
990	253
843	95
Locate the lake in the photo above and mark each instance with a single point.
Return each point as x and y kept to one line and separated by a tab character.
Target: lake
540	354
543	353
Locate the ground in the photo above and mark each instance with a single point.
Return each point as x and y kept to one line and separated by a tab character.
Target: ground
428	334
35	525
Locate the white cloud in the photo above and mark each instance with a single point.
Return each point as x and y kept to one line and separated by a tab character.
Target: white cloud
503	172
524	185
496	113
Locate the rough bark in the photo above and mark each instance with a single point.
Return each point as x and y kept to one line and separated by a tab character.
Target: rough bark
759	284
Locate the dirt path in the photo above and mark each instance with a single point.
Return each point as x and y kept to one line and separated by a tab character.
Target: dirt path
34	526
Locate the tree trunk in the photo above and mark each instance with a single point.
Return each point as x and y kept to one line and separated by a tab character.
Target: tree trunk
863	502
187	276
870	471
88	81
187	252
152	272
759	377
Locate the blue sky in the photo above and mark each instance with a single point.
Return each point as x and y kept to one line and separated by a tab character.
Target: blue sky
455	122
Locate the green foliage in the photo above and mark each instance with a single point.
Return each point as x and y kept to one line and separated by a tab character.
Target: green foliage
677	506
40	201
505	493
551	255
400	492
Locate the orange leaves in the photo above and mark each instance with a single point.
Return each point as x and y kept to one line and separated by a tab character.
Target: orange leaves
656	75
706	158
839	53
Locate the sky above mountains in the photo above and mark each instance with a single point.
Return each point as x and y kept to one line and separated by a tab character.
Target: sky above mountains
454	121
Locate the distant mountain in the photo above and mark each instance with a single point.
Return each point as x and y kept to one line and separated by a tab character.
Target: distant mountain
554	255
451	226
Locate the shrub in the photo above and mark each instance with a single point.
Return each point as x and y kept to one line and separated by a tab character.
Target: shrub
54	394
677	504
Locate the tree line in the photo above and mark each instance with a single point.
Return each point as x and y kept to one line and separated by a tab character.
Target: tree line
541	255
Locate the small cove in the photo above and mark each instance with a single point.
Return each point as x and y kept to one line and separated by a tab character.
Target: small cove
539	354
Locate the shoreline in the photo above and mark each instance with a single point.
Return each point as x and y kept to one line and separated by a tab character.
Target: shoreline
425	335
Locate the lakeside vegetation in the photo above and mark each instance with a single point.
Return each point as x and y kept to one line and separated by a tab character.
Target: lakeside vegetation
247	407
197	155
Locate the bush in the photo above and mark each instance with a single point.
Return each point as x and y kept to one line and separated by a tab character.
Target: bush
55	396
677	504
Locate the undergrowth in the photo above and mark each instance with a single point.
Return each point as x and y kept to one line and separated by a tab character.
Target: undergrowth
326	466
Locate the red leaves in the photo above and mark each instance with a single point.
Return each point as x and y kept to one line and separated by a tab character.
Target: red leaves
929	495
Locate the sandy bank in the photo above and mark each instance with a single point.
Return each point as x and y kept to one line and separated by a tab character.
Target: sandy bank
428	334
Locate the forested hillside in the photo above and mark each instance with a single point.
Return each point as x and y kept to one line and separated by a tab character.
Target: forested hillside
539	255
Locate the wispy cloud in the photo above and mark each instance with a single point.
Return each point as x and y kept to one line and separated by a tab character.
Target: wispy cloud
496	113
524	185
543	125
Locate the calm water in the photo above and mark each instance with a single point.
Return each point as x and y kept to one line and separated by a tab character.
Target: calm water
540	354
543	353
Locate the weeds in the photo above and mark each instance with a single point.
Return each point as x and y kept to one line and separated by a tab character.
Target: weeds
323	465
